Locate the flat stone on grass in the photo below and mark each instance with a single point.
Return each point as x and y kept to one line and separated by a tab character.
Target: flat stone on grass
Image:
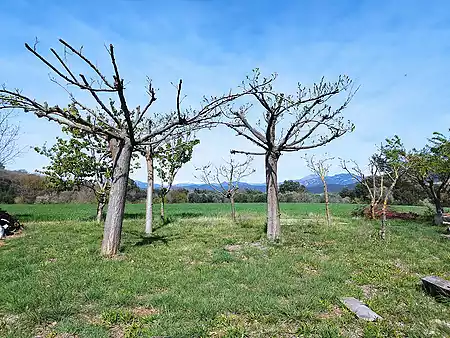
436	286
360	309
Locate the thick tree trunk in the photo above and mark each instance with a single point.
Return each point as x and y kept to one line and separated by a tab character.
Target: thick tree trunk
438	205
438	218
327	202
233	209
273	207
149	202
101	202
121	152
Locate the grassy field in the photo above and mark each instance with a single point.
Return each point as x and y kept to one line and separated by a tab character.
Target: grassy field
185	282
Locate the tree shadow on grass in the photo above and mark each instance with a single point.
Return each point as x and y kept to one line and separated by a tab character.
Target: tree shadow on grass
188	214
24	217
134	215
148	240
136	238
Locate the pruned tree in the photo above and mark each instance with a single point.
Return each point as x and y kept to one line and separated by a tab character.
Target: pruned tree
170	157
430	168
321	168
392	164
225	178
81	161
111	117
309	119
9	134
373	181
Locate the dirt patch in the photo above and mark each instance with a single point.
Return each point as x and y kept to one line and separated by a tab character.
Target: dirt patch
368	291
141	311
402	267
333	313
116	332
239	247
390	214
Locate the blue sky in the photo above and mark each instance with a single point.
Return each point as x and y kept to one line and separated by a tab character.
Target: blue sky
397	51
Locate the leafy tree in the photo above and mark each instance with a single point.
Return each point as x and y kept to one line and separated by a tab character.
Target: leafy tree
81	161
346	192
225	179
7	191
112	118
407	191
393	164
170	158
291	186
310	122
321	168
430	167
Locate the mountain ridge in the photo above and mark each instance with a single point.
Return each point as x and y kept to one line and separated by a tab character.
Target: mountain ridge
311	182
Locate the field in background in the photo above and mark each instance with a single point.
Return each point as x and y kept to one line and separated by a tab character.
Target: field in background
185	281
86	212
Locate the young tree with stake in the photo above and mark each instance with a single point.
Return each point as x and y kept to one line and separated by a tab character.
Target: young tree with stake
225	178
321	168
310	122
111	118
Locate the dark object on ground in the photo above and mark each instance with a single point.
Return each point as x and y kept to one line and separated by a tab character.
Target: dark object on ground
9	224
436	286
360	309
390	214
442	219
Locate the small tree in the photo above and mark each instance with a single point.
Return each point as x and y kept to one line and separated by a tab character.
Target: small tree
82	161
393	164
430	167
374	182
291	186
321	168
9	134
170	158
225	179
310	122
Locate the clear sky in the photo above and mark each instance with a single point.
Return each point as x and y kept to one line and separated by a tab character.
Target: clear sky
397	51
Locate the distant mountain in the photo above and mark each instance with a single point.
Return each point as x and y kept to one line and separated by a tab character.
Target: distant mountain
312	183
338	179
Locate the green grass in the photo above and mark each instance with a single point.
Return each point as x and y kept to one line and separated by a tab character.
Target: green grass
181	282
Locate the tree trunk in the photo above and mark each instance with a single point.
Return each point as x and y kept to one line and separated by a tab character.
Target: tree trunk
372	210
121	154
101	202
149	202
162	206
438	218
327	203
383	219
233	209
273	207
